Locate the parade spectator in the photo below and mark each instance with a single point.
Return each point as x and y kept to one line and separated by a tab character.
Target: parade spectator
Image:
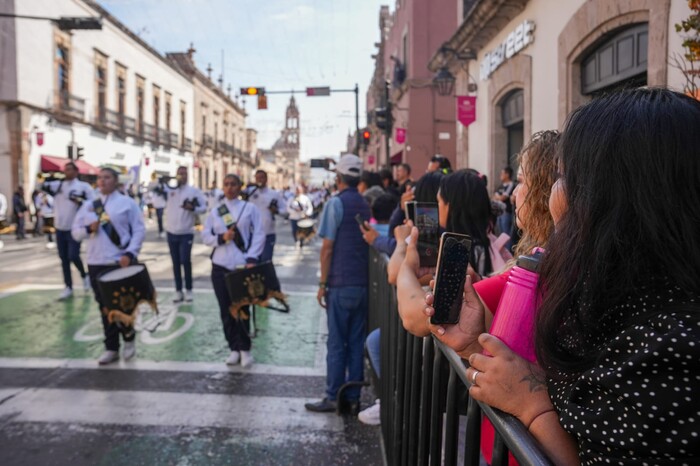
503	194
388	182
19	211
299	207
183	204
343	286
68	195
158	198
46	214
370	186
619	317
403	177
270	203
439	163
382	208
243	219
114	240
35	214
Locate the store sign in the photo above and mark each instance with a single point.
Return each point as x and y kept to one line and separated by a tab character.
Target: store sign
517	40
466	109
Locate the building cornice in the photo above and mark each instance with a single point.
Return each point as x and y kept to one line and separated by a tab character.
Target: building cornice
485	20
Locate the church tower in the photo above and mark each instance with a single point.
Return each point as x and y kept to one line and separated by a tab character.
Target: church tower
289	141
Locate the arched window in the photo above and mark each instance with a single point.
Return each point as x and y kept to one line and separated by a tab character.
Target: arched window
619	61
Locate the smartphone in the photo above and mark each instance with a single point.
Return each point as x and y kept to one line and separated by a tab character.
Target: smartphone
450	276
410	209
427	221
360	221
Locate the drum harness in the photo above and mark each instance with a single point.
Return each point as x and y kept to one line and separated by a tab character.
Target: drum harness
106	224
229	222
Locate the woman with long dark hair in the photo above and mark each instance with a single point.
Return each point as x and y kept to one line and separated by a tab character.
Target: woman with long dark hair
618	331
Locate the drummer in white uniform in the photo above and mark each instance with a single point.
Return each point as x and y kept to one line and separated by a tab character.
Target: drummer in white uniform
233	248
299	207
114	228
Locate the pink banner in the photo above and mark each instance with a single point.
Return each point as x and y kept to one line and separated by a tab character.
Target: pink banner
400	135
466	109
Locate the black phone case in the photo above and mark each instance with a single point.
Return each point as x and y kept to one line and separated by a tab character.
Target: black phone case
449	280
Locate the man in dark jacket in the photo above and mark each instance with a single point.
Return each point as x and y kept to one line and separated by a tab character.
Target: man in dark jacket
19	207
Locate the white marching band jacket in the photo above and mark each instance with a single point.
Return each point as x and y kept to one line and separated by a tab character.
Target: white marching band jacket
262	198
64	208
125	217
179	221
249	224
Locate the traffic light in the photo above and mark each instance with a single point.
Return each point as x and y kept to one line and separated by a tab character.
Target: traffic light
262	102
252	91
382	118
366	135
79	153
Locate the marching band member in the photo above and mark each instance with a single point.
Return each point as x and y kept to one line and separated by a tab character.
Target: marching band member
113	225
157	198
234	229
182	206
68	194
270	203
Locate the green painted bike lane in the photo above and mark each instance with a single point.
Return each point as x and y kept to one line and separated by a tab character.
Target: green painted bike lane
34	324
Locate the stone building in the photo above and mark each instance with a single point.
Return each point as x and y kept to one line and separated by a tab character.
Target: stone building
104	91
222	143
289	144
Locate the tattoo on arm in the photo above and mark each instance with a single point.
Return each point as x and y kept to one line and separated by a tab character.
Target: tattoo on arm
537	381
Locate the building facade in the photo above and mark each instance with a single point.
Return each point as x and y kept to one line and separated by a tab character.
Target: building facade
423	119
538	60
105	91
221	143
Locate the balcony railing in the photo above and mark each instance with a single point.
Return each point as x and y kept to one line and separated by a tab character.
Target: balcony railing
207	141
70	105
130	127
150	132
113	120
187	144
423	388
163	137
172	139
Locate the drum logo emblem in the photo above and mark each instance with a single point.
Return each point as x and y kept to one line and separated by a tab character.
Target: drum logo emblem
126	301
256	286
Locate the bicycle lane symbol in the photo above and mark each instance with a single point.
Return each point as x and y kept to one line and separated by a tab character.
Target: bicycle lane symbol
168	325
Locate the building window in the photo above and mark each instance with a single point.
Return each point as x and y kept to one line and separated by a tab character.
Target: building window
512	118
618	62
183	112
156	105
140	101
121	90
168	110
100	87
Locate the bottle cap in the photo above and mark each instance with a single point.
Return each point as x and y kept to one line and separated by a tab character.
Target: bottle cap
531	262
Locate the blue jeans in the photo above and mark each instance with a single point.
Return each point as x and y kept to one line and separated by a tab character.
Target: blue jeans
266	255
159	216
181	254
372	344
68	251
347	319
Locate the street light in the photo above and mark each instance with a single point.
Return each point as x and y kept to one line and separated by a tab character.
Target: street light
444	81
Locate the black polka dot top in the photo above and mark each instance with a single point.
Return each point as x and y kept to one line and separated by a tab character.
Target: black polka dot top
640	402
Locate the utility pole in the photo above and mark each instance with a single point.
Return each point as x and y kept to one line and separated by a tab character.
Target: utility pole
389	122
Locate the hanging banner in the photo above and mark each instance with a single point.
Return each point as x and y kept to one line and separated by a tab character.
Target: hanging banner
39	139
400	135
466	109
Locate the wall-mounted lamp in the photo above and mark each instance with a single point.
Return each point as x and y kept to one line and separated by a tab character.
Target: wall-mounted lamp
444	80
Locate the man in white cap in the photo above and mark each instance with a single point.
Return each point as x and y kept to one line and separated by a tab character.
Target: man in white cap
343	286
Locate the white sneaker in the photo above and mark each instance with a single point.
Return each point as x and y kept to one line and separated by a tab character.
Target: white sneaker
246	359
67	293
178	297
371	415
108	357
189	296
51	245
129	350
86	283
233	358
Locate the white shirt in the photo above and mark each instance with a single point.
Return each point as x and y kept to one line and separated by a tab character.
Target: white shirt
300	207
65	209
262	198
249	224
46	206
179	221
126	218
213	197
156	199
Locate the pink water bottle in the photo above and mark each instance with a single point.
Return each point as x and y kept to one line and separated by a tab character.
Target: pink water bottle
514	319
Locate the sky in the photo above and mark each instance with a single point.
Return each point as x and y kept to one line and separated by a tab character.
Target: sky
276	44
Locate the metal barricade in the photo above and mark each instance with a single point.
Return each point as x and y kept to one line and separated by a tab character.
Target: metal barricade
424	390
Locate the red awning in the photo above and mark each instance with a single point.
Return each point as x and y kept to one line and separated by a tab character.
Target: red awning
397	158
50	163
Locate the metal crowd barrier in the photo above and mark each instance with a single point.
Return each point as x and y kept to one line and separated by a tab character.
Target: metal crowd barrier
424	390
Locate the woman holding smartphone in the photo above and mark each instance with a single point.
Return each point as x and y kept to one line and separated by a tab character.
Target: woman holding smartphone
618	331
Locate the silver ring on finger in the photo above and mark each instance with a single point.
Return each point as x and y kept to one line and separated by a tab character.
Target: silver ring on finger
474	377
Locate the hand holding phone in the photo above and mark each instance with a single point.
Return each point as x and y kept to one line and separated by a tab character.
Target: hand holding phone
360	221
450	276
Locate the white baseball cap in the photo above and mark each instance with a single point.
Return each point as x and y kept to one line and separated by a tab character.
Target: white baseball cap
349	164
